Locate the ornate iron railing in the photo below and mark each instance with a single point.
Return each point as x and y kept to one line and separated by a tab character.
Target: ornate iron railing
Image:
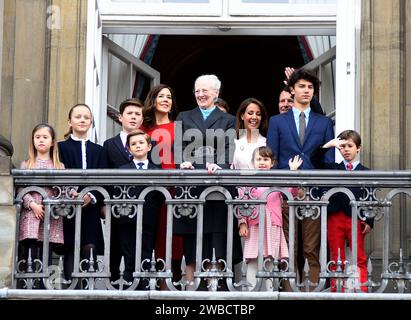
380	187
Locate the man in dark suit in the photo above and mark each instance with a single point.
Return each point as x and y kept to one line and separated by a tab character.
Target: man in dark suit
299	132
205	140
139	144
115	155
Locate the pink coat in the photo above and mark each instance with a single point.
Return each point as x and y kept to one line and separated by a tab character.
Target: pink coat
273	205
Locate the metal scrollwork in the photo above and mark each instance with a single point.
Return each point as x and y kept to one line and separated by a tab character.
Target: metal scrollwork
399	272
246	210
151	270
185	210
214	274
124	210
308	211
189	210
185	193
62	210
370	212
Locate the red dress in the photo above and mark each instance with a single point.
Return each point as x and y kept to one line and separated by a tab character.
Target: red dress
163	134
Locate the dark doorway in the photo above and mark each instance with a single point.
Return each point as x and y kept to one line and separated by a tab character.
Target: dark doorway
248	66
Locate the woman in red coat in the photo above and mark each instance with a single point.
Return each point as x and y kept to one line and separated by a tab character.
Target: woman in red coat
160	111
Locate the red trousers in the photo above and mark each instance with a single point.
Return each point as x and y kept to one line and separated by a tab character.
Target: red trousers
339	230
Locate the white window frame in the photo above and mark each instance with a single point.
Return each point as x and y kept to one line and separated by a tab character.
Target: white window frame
312	10
345	24
94	68
134	8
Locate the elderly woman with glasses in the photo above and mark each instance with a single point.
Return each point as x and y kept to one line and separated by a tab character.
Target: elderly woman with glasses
208	144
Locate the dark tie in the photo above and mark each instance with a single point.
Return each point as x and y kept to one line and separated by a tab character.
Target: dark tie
140	165
349	166
302	127
130	156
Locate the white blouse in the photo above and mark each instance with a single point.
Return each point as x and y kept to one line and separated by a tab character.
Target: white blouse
244	152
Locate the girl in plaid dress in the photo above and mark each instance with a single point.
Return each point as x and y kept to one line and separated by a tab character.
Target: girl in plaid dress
275	245
43	154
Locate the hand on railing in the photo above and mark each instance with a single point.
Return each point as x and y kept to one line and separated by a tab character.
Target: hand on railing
212	167
186	165
86	198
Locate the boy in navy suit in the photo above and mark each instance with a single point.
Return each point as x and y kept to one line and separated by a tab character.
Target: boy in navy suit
139	144
339	210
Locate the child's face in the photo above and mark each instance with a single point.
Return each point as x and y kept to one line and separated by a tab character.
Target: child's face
263	163
42	141
139	147
80	120
349	150
131	119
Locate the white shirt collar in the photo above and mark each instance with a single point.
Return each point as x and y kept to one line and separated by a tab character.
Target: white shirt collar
123	137
354	164
138	161
77	139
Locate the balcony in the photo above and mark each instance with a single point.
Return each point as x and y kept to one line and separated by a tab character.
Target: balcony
389	274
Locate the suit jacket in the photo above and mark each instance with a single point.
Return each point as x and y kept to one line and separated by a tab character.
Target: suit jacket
115	155
152	204
284	141
206	148
339	201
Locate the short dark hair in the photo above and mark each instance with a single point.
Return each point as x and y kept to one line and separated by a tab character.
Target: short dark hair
351	134
307	75
222	103
137	133
264	151
130	102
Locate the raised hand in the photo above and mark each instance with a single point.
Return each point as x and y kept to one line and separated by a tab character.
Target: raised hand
295	163
288	71
336	142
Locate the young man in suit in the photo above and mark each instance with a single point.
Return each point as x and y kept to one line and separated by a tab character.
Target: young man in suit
300	131
139	144
115	155
339	218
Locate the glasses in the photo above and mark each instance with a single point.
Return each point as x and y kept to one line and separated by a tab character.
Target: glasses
201	91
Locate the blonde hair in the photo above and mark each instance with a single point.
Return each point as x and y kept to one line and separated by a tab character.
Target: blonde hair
54	153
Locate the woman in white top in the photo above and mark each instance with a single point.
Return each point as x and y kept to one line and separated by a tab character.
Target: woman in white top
251	128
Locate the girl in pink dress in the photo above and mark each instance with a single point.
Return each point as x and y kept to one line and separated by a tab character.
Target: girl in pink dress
275	245
43	154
